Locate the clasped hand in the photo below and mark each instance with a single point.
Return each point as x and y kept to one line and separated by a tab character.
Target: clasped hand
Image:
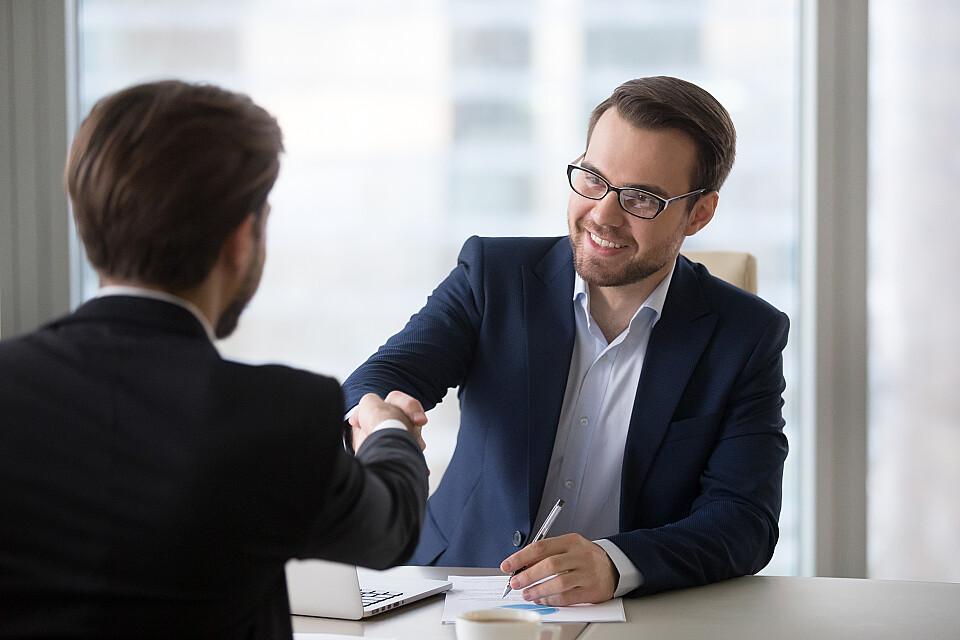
397	406
582	570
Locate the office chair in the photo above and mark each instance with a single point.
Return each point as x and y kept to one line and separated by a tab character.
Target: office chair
736	267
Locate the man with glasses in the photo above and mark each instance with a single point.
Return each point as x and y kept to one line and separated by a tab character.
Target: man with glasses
605	370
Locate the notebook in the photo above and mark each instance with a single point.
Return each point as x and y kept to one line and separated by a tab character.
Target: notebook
333	590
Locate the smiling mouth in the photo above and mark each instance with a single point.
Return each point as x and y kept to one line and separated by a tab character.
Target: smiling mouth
603	243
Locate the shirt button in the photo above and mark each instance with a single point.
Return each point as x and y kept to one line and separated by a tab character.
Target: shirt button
568	484
584	422
517	538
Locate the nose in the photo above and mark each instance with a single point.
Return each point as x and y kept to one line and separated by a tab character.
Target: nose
607	212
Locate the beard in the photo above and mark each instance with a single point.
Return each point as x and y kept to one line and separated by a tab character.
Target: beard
248	286
599	272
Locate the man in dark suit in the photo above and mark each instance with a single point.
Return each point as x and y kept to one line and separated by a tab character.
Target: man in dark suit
605	370
148	487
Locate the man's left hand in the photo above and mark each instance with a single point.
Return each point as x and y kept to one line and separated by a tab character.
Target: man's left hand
583	572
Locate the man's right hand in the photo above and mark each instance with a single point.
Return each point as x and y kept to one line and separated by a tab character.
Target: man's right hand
372	411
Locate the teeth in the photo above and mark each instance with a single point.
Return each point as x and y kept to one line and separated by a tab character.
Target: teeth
603	243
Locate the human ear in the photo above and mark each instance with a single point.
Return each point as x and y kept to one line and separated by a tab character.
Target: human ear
702	213
241	243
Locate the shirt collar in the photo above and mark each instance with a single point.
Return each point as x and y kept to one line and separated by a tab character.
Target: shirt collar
655	301
163	296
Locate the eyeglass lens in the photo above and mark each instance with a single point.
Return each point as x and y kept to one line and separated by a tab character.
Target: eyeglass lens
593	186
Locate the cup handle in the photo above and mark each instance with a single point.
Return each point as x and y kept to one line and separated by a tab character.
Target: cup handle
552	629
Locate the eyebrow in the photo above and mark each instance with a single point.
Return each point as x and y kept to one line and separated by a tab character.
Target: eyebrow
658	191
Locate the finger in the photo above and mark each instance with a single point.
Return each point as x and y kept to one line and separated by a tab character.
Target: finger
539	550
588	576
554	590
417	433
530	554
576	561
367	402
579	585
357	436
550	566
576	595
409	405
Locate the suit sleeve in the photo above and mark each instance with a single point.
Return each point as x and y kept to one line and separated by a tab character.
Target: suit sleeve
731	529
434	350
366	509
376	504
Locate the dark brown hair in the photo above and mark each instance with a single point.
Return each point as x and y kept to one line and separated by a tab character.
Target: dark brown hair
160	174
670	103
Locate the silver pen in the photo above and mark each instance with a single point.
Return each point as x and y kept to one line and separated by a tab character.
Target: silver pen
544	529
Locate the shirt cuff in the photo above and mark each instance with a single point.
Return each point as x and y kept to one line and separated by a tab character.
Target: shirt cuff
390	423
630	576
386	424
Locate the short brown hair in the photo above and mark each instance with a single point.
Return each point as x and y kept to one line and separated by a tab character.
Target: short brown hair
160	174
670	103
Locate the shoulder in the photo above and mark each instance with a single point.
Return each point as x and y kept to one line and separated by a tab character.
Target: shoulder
517	250
493	259
288	393
721	293
279	379
42	352
737	311
295	414
13	348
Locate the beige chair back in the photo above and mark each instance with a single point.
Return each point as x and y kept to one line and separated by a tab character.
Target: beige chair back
737	268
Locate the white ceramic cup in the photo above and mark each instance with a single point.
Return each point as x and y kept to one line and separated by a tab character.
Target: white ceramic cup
504	624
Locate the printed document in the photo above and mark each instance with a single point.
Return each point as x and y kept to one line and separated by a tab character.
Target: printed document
484	592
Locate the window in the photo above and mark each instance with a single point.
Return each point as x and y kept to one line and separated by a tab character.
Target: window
489	47
411	125
914	408
505	122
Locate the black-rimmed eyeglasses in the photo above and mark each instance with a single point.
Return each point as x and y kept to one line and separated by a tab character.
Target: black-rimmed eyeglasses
636	202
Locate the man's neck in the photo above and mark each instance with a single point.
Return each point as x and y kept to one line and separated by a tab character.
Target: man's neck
612	308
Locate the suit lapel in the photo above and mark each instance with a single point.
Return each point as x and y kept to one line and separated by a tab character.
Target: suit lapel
675	346
549	331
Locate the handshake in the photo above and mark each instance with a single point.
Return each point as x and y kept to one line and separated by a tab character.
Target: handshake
372	412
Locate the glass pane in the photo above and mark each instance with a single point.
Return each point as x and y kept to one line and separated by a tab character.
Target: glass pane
914	428
412	124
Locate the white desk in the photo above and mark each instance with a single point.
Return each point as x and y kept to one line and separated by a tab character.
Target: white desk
744	608
795	608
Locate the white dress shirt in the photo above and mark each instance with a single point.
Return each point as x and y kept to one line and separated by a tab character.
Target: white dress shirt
587	459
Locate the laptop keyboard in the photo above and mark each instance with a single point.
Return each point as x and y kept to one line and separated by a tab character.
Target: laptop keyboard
371	597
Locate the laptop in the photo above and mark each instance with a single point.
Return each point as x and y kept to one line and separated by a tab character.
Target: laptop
333	590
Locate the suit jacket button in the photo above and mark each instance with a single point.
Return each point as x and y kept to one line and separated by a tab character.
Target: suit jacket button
517	538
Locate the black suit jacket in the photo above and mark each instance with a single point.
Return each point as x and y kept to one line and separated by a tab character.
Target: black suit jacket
149	488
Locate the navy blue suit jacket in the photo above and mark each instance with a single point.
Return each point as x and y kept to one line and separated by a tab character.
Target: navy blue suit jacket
703	464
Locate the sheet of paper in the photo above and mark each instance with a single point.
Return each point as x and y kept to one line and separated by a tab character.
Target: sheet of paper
483	592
